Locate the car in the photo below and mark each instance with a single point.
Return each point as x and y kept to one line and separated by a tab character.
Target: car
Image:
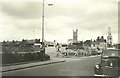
99	52
94	52
70	52
109	66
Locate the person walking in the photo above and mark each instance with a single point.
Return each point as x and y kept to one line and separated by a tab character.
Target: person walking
58	49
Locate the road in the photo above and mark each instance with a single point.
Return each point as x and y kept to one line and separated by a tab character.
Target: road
79	67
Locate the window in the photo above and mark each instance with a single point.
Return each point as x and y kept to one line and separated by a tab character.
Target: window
111	62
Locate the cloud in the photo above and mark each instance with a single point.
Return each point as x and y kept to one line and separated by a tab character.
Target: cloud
91	17
22	9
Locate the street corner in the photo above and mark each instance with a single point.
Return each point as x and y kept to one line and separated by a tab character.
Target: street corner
57	59
30	65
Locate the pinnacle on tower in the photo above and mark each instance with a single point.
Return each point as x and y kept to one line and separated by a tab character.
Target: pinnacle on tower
109	31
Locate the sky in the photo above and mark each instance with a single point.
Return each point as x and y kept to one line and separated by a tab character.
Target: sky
22	19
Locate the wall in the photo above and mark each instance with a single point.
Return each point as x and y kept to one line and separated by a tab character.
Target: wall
0	46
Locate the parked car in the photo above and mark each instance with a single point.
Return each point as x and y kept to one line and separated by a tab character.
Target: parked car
70	52
94	52
109	67
99	52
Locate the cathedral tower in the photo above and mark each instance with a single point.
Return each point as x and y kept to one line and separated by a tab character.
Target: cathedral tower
109	38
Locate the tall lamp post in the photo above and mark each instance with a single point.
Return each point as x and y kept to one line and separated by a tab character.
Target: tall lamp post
43	43
43	15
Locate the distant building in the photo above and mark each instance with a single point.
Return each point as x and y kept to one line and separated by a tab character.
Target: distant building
99	43
88	43
0	46
50	43
75	35
117	46
109	38
70	41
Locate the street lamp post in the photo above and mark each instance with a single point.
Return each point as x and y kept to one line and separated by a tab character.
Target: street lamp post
43	44
43	24
43	15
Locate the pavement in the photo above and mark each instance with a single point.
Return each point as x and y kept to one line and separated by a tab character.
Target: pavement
29	65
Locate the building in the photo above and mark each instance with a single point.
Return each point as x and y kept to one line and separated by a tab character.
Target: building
109	38
88	43
99	43
70	41
50	43
117	46
75	35
0	47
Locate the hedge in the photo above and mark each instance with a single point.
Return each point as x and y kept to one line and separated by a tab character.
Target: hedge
9	58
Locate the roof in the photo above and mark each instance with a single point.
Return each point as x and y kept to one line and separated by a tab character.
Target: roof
111	52
112	49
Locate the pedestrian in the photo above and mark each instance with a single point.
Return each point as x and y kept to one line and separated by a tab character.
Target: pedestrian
58	49
66	54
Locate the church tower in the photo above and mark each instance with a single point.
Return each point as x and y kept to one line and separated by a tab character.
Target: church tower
75	35
109	38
